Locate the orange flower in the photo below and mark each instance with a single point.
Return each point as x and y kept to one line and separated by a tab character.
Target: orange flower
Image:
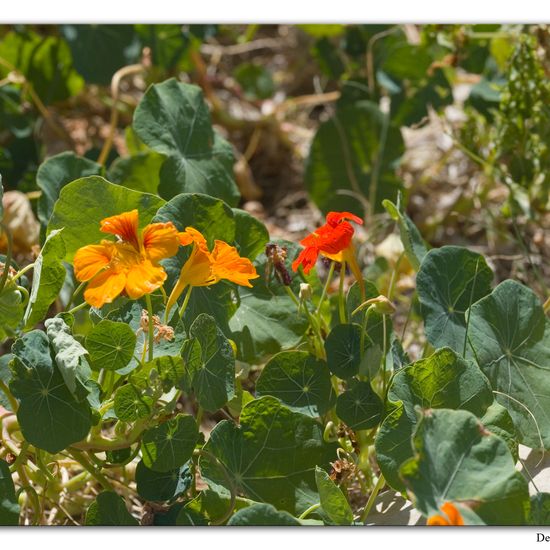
205	268
332	240
130	264
451	516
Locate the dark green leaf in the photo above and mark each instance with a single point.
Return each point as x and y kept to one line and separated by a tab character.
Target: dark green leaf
158	486
9	507
209	363
139	172
109	509
333	501
455	459
540	509
168	369
343	350
100	50
48	277
56	172
510	336
49	416
5	377
111	345
170	444
173	119
443	380
271	457
450	280
251	235
359	406
262	514
130	403
299	380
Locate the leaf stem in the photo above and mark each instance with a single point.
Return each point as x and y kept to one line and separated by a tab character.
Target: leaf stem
325	288
87	465
13	402
341	296
185	302
372	498
150	328
78	307
309	510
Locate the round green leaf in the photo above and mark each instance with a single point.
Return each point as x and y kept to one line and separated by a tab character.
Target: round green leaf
109	509
455	459
449	281
130	404
170	444
111	345
173	119
160	486
139	172
510	338
343	350
49	416
168	368
99	199
443	380
262	514
299	380
209	363
359	406
271	457
251	234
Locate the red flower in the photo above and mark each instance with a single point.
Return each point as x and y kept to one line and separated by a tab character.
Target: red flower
332	240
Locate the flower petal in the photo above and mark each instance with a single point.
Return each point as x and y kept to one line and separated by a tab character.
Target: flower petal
192	235
229	265
306	258
197	270
124	225
90	260
334	218
105	287
160	240
144	278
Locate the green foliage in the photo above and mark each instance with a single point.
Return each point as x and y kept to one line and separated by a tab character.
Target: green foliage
109	509
443	380
333	502
455	459
111	345
49	416
343	348
271	457
449	281
299	380
256	81
353	158
209	364
510	338
173	119
264	515
131	404
359	406
161	486
9	507
139	172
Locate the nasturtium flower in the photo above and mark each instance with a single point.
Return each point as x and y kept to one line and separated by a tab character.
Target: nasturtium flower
205	268
332	240
450	516
128	265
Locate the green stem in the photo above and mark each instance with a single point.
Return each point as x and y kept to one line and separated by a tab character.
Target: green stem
21	458
312	508
13	402
9	252
22	272
384	353
185	302
76	292
372	498
325	288
99	477
341	296
150	328
78	307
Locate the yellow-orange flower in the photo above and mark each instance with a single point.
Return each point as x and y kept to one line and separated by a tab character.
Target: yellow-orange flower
205	268
130	264
451	516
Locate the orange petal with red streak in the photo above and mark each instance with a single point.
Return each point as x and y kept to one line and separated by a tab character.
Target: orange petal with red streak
144	278
124	225
229	265
160	240
90	260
